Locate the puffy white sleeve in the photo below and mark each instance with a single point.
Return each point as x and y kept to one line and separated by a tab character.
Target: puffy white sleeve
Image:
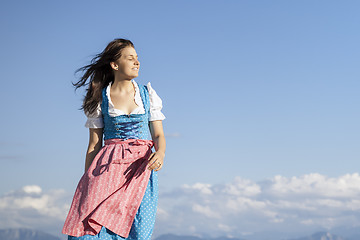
95	119
155	105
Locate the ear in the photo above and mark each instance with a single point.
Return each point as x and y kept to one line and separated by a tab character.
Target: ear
114	66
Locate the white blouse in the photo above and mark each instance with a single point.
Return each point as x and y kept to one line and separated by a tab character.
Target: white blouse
95	119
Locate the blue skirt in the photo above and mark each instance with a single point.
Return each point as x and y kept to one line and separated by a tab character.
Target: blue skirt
144	221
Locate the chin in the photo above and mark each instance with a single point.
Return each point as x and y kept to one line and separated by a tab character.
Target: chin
131	76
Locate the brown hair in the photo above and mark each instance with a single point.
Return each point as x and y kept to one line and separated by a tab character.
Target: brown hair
99	73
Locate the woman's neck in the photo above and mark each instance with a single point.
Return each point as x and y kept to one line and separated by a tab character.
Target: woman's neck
122	85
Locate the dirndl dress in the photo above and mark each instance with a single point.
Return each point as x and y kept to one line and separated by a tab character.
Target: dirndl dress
117	197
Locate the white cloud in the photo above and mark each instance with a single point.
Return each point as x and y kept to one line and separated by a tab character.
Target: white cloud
30	207
202	188
316	185
242	187
32	189
205	210
300	204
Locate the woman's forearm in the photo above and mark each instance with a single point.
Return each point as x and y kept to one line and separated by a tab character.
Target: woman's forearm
95	144
90	155
160	143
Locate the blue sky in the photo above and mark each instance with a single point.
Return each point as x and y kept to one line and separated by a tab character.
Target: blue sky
250	89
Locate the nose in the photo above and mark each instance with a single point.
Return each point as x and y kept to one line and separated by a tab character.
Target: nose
137	62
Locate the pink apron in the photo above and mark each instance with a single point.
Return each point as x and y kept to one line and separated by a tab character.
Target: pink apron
110	192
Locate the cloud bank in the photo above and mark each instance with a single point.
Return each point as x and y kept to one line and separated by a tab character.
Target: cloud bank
30	207
241	208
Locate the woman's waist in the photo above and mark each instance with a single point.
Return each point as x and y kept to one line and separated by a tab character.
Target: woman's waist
129	141
127	150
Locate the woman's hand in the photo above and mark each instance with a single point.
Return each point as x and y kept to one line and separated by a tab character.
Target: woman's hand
156	160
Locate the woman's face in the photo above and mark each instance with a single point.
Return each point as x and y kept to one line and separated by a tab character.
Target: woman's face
128	64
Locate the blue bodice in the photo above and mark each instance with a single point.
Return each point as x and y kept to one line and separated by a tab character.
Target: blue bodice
132	126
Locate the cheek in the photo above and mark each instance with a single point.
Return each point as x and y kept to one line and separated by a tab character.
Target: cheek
124	66
127	65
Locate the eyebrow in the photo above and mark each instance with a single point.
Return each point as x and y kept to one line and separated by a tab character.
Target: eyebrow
132	55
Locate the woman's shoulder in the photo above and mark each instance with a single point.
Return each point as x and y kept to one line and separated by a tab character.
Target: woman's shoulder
149	88
155	104
153	96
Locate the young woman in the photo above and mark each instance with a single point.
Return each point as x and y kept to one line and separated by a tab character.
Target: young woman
116	198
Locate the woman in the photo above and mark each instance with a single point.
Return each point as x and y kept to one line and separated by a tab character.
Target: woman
116	197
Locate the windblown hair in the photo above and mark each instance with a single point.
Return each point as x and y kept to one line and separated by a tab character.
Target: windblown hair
99	73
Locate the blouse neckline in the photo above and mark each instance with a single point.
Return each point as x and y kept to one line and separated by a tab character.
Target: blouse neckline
137	99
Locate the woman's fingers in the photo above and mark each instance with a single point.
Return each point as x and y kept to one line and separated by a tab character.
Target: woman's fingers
151	156
155	163
151	161
158	165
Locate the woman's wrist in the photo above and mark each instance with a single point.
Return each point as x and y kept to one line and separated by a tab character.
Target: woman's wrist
161	151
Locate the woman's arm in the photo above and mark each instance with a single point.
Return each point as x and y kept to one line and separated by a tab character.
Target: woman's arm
157	133
95	144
